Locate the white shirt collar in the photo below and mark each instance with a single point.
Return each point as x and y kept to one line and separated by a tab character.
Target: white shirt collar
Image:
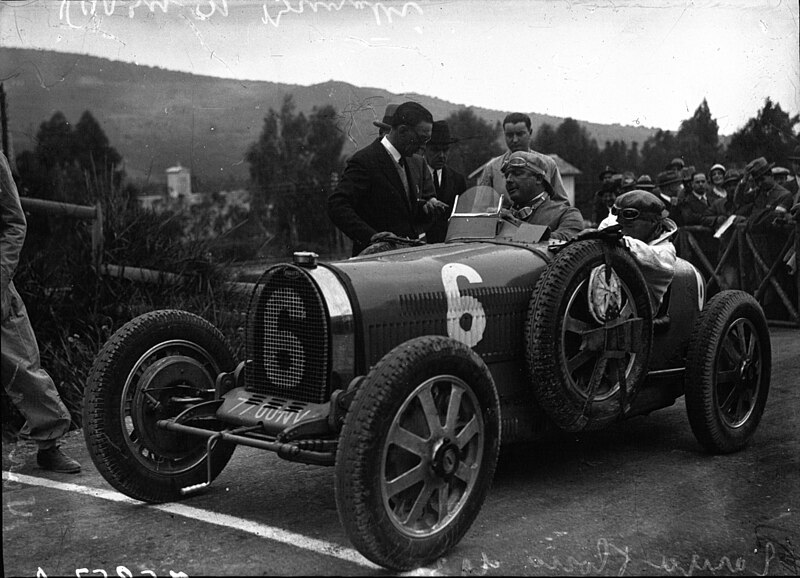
392	151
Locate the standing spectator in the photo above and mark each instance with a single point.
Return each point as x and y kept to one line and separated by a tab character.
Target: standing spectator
695	207
722	208
605	196
530	193
767	199
27	384
669	188
385	187
517	132
447	182
717	175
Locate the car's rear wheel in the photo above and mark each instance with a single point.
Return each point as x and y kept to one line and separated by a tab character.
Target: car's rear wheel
589	334
728	372
154	367
417	452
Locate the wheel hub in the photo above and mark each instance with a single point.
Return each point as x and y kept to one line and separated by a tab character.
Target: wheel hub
446	459
746	370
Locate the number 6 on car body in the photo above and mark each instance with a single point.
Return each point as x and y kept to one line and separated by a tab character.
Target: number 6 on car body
466	319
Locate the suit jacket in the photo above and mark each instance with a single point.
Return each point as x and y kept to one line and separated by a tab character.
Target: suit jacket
370	197
693	211
453	184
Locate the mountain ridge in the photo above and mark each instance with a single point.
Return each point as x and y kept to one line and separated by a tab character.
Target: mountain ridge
157	118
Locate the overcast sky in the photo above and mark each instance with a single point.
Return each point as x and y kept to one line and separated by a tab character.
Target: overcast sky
629	62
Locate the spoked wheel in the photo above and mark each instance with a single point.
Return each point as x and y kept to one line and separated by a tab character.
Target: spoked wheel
589	331
728	372
417	452
157	366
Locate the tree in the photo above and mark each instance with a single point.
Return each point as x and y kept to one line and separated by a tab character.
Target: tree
544	139
658	151
54	142
291	166
698	138
770	134
477	141
92	151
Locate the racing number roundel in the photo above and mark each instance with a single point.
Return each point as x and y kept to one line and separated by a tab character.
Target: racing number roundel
466	319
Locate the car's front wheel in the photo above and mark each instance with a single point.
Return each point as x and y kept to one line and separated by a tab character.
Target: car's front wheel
154	367
417	452
728	372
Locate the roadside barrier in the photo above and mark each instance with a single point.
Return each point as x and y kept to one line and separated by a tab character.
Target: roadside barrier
763	263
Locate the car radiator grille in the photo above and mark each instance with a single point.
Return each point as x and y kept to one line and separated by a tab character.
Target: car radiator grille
287	337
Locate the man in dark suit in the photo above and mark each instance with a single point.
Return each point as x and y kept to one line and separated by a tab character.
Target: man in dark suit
385	186
447	183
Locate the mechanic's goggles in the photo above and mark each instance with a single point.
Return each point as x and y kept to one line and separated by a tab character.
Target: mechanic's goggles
520	163
628	214
631	214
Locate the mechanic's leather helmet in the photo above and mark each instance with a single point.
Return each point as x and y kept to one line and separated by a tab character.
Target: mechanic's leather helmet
639	204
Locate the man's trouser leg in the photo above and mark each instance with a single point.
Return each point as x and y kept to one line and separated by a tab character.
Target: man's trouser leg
27	384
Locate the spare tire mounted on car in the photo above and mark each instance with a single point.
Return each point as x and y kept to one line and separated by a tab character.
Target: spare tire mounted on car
589	333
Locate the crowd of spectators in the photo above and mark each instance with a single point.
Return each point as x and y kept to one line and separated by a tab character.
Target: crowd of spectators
710	203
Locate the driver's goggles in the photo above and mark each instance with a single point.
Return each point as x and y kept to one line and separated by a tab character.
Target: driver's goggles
520	163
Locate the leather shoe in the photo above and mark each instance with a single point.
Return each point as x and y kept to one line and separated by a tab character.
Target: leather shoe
55	460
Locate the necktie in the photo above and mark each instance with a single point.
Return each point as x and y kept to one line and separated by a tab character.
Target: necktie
405	176
436	182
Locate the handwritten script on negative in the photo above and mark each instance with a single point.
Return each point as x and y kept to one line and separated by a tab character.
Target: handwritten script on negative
272	11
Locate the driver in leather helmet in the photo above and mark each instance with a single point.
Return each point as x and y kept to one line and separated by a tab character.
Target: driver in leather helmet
647	231
530	192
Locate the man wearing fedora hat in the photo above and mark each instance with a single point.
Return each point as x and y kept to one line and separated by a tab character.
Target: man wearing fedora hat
767	199
517	132
669	188
385	187
447	182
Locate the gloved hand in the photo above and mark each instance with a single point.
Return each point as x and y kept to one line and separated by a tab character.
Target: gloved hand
382	236
612	233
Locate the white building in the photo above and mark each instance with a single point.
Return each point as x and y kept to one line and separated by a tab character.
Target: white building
179	182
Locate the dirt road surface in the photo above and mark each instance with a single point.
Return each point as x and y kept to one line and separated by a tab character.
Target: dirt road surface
640	498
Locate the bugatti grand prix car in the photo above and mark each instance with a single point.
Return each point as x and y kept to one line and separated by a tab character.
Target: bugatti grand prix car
405	370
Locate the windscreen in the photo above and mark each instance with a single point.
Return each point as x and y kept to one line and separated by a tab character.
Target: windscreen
480	200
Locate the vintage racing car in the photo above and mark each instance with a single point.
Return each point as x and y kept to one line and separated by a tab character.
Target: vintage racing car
406	369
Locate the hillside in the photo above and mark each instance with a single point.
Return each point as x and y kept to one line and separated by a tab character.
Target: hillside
158	118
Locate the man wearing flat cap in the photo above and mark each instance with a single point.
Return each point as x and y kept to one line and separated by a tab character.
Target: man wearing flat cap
447	182
647	231
385	187
529	190
517	132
